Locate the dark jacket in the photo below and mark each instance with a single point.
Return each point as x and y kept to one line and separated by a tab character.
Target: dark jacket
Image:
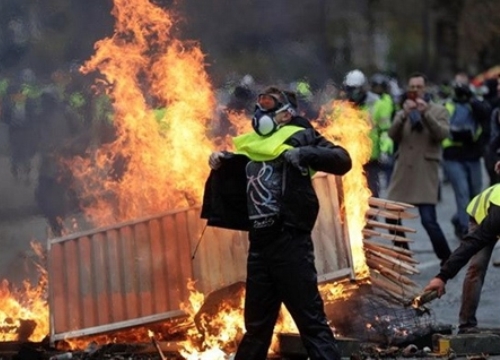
486	233
473	151
225	197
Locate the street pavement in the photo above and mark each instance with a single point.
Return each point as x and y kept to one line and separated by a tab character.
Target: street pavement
446	309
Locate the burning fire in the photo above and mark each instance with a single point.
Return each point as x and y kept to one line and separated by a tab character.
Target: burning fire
24	313
219	332
349	127
153	165
156	164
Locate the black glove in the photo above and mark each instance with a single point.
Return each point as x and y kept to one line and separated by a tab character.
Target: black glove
293	157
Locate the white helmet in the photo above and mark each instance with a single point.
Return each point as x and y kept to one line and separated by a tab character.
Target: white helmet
355	78
247	80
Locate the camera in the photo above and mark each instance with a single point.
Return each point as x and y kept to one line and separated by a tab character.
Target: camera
412	95
462	92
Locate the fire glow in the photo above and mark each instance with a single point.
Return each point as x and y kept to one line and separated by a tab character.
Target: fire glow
165	160
24	313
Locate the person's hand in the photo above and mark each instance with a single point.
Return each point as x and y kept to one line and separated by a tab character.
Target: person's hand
215	160
436	284
422	105
497	167
293	157
409	105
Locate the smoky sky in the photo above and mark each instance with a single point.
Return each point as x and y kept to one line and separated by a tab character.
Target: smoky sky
281	39
271	40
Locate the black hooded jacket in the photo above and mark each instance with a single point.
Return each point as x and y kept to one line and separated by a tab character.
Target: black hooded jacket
225	197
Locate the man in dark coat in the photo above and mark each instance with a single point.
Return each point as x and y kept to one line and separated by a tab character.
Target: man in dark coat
265	188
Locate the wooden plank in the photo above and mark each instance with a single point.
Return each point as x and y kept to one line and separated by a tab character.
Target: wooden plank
370	233
392	227
389	204
405	292
393	248
395	215
389	273
394	254
396	266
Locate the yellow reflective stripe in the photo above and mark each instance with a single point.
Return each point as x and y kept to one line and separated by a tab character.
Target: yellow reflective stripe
478	208
450	107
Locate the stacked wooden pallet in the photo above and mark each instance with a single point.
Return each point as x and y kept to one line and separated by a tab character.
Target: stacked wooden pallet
390	266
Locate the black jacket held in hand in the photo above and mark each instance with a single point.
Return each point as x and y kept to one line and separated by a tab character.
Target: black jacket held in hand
225	197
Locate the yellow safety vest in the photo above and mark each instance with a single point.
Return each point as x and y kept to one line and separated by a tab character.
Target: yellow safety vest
449	142
478	207
264	148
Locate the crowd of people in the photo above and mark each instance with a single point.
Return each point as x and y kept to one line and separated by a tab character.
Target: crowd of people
49	118
422	135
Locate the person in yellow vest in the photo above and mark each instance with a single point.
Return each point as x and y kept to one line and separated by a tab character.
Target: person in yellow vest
265	188
476	246
383	112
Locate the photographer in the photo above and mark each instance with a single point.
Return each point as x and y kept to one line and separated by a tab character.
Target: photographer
463	149
419	129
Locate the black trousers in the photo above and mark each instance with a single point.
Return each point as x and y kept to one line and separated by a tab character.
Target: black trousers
280	269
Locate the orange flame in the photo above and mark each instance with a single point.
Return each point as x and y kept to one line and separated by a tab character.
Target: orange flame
159	163
154	164
349	127
24	312
225	328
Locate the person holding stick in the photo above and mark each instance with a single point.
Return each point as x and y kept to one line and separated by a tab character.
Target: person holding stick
477	246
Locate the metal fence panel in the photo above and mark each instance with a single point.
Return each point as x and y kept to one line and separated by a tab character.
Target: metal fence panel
136	272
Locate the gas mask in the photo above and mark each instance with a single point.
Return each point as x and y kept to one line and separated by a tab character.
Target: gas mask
355	94
264	121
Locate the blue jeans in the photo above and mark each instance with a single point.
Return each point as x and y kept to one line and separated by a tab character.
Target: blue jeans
428	219
466	180
372	170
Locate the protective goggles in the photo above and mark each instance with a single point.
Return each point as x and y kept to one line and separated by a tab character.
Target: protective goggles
268	102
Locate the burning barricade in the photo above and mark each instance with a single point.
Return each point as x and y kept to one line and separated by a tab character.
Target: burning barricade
124	281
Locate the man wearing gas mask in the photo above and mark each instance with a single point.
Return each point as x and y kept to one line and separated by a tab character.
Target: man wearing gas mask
264	187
